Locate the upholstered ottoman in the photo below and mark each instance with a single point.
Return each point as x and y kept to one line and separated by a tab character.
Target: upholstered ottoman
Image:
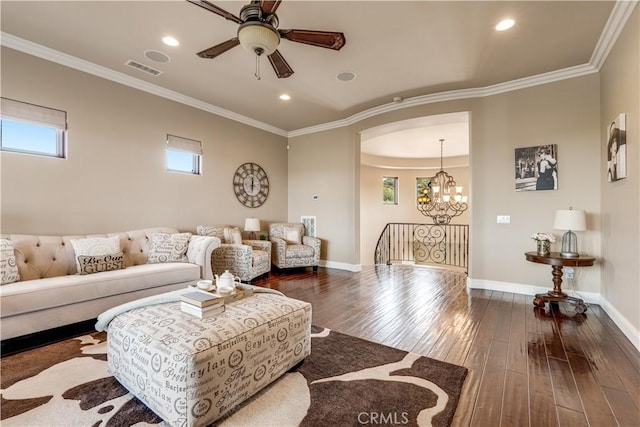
192	371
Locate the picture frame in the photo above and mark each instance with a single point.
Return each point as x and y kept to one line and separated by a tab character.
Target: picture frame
536	168
616	147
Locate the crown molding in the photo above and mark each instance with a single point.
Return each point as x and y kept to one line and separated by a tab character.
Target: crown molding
619	16
70	61
480	92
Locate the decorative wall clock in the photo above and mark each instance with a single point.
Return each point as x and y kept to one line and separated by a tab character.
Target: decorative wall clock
251	185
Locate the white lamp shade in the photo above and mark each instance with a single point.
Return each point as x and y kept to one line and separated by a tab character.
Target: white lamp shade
570	219
252	224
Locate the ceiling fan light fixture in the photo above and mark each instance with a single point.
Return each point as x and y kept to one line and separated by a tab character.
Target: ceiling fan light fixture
258	38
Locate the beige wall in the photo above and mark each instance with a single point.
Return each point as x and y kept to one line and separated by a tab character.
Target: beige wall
374	215
322	164
114	178
621	199
566	113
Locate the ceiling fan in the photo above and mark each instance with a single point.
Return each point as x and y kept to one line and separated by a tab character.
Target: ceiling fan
258	33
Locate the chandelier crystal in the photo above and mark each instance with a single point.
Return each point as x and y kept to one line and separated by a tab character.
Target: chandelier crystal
442	200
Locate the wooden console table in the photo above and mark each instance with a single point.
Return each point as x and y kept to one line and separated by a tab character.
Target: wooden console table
557	262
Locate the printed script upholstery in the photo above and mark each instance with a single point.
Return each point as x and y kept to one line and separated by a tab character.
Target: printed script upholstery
247	261
192	371
287	255
50	293
40	257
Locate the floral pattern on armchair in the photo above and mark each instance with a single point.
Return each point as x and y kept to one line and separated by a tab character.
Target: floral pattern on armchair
291	248
248	260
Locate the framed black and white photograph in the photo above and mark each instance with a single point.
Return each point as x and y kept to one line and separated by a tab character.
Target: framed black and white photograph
536	168
617	149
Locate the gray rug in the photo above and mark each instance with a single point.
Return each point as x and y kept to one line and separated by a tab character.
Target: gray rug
346	381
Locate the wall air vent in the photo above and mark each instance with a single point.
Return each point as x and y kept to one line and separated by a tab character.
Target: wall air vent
141	67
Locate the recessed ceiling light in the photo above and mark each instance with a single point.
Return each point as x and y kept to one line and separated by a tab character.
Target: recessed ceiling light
285	97
170	41
505	24
346	76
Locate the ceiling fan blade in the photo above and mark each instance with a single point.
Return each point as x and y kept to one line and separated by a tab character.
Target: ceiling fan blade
326	39
219	49
217	10
269	7
280	66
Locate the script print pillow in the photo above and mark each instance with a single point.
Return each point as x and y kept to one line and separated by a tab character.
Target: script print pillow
96	246
168	247
8	266
90	264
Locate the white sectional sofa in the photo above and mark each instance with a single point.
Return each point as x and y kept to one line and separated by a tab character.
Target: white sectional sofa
50	293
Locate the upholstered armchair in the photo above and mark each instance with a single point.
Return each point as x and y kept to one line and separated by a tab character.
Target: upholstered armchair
246	259
291	248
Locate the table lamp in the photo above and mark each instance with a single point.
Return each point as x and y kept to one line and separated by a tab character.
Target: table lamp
252	225
570	220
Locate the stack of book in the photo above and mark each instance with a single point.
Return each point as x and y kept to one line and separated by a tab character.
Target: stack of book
201	304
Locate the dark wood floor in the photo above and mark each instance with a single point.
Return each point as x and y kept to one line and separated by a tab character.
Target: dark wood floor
526	367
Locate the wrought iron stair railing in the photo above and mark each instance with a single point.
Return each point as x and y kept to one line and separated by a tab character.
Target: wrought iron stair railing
435	244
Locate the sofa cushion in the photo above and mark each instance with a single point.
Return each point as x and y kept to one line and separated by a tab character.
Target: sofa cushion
8	266
299	251
168	247
95	246
40	294
90	264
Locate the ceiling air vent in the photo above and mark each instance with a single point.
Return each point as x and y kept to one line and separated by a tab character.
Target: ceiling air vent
141	67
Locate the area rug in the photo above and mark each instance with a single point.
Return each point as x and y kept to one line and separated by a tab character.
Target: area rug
346	381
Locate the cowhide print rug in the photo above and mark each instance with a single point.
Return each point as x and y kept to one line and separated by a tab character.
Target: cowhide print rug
346	381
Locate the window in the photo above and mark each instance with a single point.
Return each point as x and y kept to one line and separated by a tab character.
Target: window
184	155
32	129
390	190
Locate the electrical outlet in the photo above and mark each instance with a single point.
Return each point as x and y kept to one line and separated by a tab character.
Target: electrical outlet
568	272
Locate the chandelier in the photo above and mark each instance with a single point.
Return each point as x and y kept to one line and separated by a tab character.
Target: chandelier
442	199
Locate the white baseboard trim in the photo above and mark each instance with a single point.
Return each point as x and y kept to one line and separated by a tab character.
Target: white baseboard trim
621	322
518	288
354	268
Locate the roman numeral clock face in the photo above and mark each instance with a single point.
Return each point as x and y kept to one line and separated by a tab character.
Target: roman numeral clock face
251	185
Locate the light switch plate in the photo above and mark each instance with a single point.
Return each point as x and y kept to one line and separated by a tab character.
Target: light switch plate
504	219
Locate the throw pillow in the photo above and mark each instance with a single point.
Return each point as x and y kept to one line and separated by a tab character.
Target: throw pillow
168	247
233	236
292	236
8	266
95	246
90	264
